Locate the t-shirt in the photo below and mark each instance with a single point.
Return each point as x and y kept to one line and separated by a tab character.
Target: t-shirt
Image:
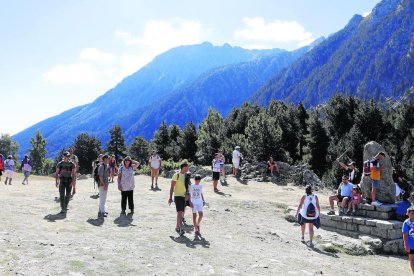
353	175
408	227
127	178
402	208
195	192
308	199
236	156
179	189
155	161
346	189
103	171
375	174
217	165
65	169
9	164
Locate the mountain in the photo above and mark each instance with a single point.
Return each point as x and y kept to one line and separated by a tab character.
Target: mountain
372	57
139	93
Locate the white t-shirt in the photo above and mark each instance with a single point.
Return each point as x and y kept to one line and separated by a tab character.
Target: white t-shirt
309	199
236	156
217	165
127	178
195	193
9	163
155	161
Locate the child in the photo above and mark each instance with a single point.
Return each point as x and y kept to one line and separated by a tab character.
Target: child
408	236
355	200
197	203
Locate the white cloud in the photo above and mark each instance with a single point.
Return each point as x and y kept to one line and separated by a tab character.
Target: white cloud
79	73
93	54
273	34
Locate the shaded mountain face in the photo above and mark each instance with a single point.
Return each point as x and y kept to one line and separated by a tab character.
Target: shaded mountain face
372	57
138	99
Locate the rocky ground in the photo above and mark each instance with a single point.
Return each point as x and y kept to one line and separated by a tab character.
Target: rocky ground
244	232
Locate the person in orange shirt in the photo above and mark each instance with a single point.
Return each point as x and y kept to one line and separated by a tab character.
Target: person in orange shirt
376	169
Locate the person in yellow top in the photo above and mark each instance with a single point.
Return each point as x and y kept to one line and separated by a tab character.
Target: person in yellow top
179	188
375	169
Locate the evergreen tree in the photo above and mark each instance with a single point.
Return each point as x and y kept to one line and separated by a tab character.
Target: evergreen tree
188	145
139	149
175	140
8	146
302	116
161	141
208	141
116	145
87	148
37	152
317	141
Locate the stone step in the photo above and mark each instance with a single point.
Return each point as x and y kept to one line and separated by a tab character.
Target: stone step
384	229
385	212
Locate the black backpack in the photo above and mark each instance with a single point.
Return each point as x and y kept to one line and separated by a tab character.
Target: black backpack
187	181
311	210
95	172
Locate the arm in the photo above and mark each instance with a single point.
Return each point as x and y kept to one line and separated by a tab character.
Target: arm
406	246
317	204
57	175
119	179
73	174
171	191
342	164
202	196
300	205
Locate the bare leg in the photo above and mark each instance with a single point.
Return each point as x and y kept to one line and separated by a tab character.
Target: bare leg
411	257
310	231
302	229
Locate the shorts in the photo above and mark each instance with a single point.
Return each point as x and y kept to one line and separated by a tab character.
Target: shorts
1	172
236	164
179	203
197	207
216	175
154	172
26	173
316	222
9	173
411	251
340	198
376	183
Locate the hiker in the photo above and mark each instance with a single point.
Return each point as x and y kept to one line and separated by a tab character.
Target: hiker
375	170
223	161
355	200
343	195
352	170
103	173
272	166
26	168
308	213
197	202
1	165
113	168
74	159
216	164
408	236
10	168
65	176
126	183
95	167
237	156
178	187
155	164
407	201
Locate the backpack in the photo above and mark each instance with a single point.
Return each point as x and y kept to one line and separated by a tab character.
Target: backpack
311	210
187	181
95	173
367	168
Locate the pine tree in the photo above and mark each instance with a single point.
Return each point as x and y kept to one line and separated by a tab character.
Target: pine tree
161	141
188	145
37	152
175	139
116	145
208	141
139	149
8	146
87	148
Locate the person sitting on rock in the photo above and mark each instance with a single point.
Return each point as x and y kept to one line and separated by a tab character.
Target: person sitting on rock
344	195
356	199
272	167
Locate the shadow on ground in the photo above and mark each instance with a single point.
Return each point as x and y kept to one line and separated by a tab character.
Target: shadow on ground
55	217
124	220
96	222
191	243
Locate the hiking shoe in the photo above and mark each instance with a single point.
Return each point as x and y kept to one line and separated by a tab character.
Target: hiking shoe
311	244
376	203
123	212
131	212
152	187
180	231
302	239
341	213
197	233
332	212
183	220
62	211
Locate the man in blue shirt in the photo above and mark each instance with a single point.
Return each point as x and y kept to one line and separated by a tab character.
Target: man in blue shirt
408	235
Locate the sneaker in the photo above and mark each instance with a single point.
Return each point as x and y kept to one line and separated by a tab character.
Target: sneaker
353	213
341	213
197	233
332	212
311	244
376	203
131	212
302	239
348	212
123	212
62	211
152	187
180	231
183	220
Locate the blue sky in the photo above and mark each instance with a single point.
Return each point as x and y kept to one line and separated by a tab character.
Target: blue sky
55	55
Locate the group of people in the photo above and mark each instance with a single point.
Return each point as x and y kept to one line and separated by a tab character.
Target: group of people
8	166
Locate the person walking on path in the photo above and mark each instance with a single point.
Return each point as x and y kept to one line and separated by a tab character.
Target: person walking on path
75	160
10	168
126	183
197	202
408	236
65	175
237	156
223	161
308	213
26	168
155	164
216	163
113	168
179	190
1	165
103	173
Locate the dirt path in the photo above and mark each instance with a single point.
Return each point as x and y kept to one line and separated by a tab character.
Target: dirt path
244	232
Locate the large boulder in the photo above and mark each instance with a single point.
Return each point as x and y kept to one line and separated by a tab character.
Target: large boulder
386	192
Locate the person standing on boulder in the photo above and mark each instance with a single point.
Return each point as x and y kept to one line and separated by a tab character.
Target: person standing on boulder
237	156
375	170
308	213
65	175
408	236
155	164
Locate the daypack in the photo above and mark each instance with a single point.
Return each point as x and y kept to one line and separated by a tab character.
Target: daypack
95	172
187	181
367	168
311	210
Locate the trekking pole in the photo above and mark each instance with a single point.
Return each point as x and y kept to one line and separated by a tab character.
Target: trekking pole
341	155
